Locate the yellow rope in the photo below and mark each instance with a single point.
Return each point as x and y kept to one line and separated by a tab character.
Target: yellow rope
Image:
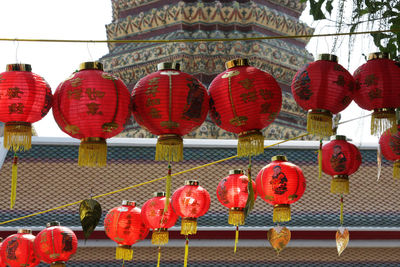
198	40
144	183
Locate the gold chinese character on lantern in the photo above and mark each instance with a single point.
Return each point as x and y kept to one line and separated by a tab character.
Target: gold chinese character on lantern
14	92
93	94
16	108
93	109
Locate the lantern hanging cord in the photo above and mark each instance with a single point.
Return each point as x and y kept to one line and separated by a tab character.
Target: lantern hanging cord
144	183
199	40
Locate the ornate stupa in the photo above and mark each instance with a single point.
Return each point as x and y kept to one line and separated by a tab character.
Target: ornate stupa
209	19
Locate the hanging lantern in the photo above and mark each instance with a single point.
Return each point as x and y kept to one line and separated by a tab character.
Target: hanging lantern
17	250
156	218
190	202
169	103
244	100
340	159
389	144
125	226
280	184
322	88
377	83
92	105
2	261
26	98
55	244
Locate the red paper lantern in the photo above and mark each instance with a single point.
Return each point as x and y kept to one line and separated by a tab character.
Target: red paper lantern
26	98
322	88
232	192
125	226
190	202
244	100
18	250
377	83
389	144
340	159
92	105
280	184
55	244
169	103
154	217
2	261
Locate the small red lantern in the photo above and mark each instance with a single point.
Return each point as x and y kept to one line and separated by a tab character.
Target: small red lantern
322	88
169	103
389	144
55	244
92	105
340	159
125	226
26	98
232	192
17	250
377	83
244	100
280	184
156	218
190	202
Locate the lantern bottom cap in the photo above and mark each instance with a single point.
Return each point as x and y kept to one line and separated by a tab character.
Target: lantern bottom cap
250	143
93	152
340	185
319	122
189	226
169	148
58	264
160	237
18	136
281	213
124	252
383	119
236	217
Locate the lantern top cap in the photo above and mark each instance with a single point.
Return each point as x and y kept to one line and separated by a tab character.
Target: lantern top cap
192	182
91	65
279	157
54	223
236	171
379	55
159	194
328	57
128	203
24	231
19	67
168	66
339	137
238	62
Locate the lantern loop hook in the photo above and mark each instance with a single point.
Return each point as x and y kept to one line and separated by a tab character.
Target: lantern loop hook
16	44
88	49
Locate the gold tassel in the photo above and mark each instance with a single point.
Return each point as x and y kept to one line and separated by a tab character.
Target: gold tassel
93	152
250	143
319	122
281	213
320	160
340	184
169	148
159	257
124	252
14	181
341	210
186	252
396	169
379	162
189	226
160	237
383	119
18	136
58	264
236	217
236	238
168	188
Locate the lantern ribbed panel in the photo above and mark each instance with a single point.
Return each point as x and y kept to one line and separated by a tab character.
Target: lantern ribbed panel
244	98
190	201
91	103
153	214
55	244
18	250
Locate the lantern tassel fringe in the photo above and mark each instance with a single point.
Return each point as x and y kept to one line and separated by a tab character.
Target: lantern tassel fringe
236	238
159	237
169	149
341	210
159	257
168	182
58	264
124	253
340	186
236	217
319	123
186	253
14	172
250	144
93	153
18	136
320	162
189	226
281	213
381	121
396	169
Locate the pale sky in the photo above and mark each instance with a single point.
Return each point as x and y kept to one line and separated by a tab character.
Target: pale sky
86	19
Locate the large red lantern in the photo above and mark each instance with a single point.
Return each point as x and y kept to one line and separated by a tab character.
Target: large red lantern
92	105
322	88
26	98
280	184
190	202
389	144
340	159
244	100
125	226
18	250
169	103
377	89
232	192
157	218
55	244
